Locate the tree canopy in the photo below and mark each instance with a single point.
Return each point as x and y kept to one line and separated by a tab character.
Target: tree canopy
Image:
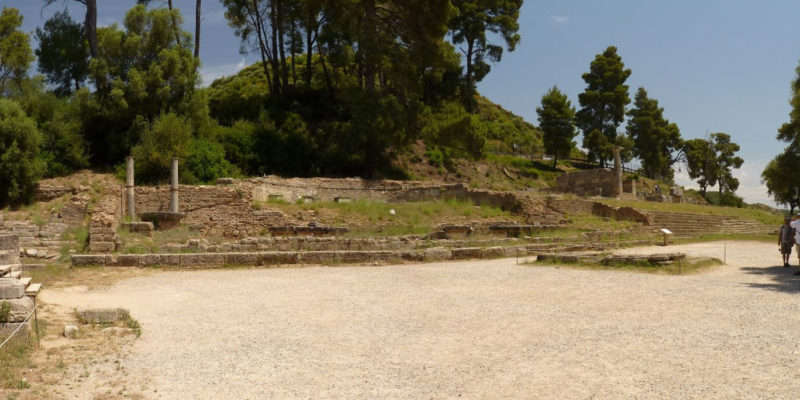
557	122
656	141
15	49
471	23
63	54
603	103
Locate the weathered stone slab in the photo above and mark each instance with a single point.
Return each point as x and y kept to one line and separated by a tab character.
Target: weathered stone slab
316	257
8	327
466	253
81	260
128	260
352	256
19	308
493	252
202	259
437	254
515	251
242	258
101	247
279	257
414	256
101	315
11	288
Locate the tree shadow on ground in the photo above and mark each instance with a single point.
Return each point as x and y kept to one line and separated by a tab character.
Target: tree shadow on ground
784	279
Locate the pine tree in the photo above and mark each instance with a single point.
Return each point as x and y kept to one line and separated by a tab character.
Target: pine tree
603	103
656	140
557	122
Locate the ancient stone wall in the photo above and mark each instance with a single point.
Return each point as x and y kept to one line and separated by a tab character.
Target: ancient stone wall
211	210
593	182
330	189
580	206
105	219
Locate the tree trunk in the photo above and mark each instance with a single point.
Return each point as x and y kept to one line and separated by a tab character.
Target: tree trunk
470	96
175	26
555	160
309	55
370	72
261	44
91	26
197	14
291	54
282	44
276	69
328	80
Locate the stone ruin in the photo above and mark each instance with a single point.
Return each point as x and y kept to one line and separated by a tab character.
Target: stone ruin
17	294
603	182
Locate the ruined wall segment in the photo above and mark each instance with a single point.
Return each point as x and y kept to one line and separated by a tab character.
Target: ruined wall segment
105	219
593	182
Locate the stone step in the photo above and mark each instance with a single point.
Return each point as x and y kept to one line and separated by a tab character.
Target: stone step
15	274
33	289
26	280
4	269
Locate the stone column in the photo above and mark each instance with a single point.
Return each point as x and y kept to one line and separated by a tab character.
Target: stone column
618	169
173	201
130	196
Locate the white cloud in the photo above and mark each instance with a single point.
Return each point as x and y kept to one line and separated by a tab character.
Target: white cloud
209	74
559	19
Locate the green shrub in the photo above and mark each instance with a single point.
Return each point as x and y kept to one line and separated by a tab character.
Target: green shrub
20	166
170	136
205	163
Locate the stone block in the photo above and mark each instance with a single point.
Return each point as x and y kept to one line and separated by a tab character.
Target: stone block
101	315
349	257
242	258
170	259
8	327
493	252
101	247
279	257
128	260
466	253
202	259
11	288
316	257
81	260
383	256
71	331
20	308
515	251
437	254
414	256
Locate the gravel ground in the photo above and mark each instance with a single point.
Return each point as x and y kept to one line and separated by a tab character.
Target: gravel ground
478	329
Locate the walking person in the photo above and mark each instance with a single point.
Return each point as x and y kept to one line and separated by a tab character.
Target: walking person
795	224
786	240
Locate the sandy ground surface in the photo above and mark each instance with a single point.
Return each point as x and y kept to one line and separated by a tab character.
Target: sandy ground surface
478	329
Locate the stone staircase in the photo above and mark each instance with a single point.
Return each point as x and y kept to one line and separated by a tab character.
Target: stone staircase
692	225
12	284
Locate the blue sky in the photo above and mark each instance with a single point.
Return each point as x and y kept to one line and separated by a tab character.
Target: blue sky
715	66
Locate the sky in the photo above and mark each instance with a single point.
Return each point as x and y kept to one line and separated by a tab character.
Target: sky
713	65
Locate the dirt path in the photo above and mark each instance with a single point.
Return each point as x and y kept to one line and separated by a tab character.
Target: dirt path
482	329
